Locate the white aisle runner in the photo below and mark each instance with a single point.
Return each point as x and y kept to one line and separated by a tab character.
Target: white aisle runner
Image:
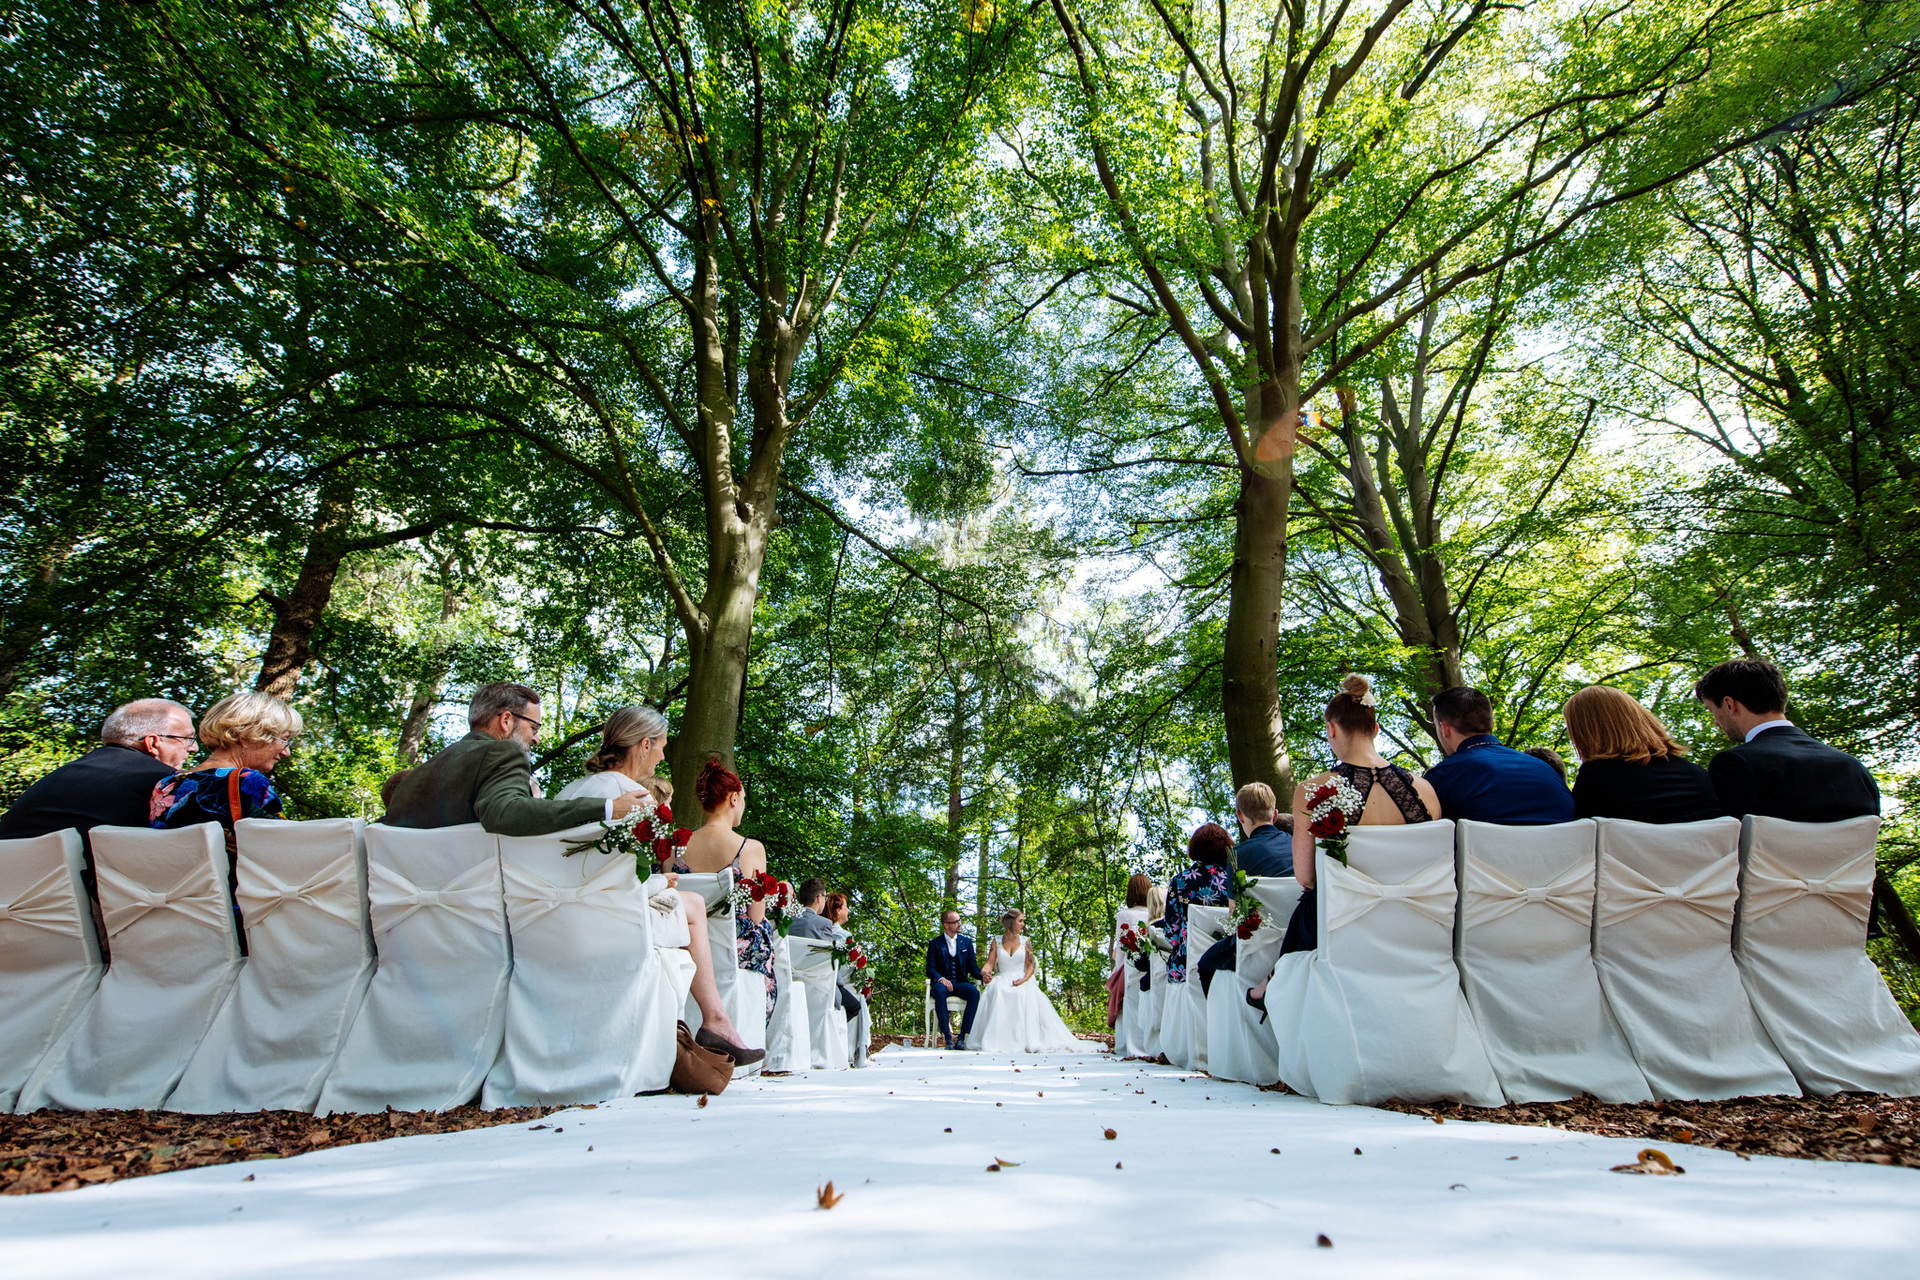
669	1189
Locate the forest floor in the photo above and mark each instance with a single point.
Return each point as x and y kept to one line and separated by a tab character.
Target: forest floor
1063	1164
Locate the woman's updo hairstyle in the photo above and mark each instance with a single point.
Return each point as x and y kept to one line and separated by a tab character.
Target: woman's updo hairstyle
625	729
1352	708
716	785
1008	916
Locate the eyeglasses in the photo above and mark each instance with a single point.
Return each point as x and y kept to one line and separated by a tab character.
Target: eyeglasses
286	742
177	737
529	719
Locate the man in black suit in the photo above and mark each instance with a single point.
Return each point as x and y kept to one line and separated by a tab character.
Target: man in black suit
1779	770
952	971
112	785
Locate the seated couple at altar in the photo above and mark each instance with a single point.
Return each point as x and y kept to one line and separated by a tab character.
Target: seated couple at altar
1014	1014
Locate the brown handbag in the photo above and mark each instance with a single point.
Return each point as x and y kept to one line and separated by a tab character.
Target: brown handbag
697	1069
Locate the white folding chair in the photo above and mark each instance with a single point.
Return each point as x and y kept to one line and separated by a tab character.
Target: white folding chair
1526	961
1154	1006
1240	1044
1130	1030
591	1010
1806	893
956	1015
813	972
49	957
1380	1013
1663	943
176	953
303	903
432	1022
1187	1046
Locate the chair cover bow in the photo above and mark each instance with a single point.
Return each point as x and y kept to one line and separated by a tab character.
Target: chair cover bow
473	895
1770	886
1490	894
1430	891
196	896
46	904
1625	893
610	889
813	967
261	893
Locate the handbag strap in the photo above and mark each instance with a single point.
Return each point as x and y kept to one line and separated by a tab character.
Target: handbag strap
233	793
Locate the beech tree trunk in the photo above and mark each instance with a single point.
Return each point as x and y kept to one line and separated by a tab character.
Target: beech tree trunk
1250	670
297	614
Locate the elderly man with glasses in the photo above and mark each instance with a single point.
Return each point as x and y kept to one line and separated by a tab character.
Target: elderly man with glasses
487	776
112	785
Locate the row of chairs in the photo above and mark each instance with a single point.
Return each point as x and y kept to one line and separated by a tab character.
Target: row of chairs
1486	963
384	966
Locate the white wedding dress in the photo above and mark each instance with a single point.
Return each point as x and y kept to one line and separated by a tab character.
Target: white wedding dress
1017	1019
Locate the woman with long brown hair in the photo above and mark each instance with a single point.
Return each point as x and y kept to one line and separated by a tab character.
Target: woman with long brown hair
1630	766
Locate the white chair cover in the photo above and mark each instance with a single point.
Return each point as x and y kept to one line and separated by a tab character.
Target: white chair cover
49	957
1663	943
591	1010
1205	926
787	1035
1806	892
176	953
432	1022
303	902
742	991
669	927
1155	1004
1381	1014
1526	962
813	972
713	887
859	1028
1239	1045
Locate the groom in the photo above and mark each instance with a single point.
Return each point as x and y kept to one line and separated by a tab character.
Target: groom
950	963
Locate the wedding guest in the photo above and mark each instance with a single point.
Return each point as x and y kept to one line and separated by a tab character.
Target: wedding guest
487	776
1483	780
633	741
1778	770
1265	850
717	847
837	909
952	970
1389	796
1630	766
112	785
812	896
1131	916
1208	881
246	736
391	785
1552	757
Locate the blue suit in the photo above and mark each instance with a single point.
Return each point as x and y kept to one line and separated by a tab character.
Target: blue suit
1488	782
962	970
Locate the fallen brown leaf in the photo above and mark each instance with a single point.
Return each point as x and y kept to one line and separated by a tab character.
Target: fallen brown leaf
1007	1164
1322	1241
1650	1161
1112	1134
826	1197
703	1099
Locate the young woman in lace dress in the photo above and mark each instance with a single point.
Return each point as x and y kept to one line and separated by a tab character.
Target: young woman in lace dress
1390	796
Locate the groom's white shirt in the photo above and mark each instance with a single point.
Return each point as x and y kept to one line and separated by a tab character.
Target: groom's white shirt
953	944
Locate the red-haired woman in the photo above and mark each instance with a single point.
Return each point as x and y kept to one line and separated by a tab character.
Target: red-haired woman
716	847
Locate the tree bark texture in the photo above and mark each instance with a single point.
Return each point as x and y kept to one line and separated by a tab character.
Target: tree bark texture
297	614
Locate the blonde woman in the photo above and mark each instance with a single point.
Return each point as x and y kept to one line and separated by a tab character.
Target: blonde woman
245	735
632	744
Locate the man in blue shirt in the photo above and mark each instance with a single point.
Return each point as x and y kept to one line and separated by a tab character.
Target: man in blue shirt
1482	780
1266	851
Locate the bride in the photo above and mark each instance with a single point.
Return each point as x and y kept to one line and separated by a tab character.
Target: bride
1016	1016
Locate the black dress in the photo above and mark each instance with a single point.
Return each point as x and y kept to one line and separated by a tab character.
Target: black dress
1664	789
1303	930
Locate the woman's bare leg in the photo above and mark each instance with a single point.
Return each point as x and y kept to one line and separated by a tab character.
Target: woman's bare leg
705	992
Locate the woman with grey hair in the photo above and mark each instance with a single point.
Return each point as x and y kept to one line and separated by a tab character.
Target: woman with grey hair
1015	1014
632	743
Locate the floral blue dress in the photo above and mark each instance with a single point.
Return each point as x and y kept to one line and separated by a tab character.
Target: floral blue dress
1210	886
209	795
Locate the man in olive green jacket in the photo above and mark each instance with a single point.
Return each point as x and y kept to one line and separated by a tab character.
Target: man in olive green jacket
487	777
